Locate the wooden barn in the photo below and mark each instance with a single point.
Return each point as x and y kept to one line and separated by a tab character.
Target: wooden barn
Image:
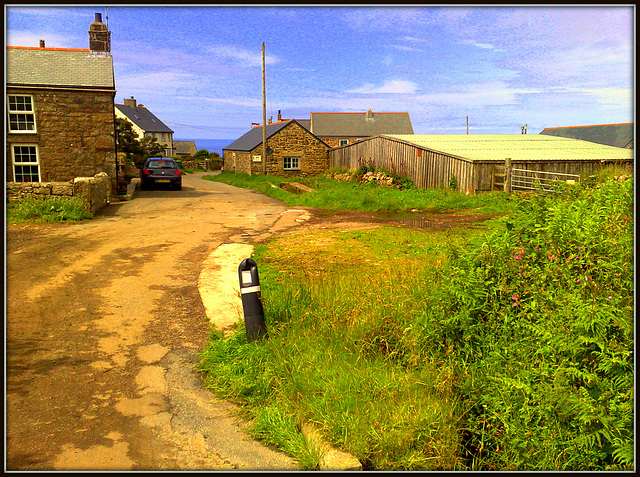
472	161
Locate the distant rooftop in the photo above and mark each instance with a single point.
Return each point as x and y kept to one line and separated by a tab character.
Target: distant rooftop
143	118
364	124
618	135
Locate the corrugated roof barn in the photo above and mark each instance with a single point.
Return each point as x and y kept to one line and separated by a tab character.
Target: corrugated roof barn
430	161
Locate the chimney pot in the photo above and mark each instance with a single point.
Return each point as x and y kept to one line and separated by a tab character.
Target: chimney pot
279	116
41	43
99	36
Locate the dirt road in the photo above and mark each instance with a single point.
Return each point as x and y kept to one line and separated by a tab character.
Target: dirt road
105	320
104	323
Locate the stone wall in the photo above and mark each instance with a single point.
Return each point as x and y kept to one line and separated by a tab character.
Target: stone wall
95	191
292	140
74	134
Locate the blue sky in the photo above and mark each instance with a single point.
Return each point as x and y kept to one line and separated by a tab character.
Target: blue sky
199	69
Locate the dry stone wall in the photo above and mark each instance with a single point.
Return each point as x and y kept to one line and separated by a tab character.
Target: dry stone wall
94	191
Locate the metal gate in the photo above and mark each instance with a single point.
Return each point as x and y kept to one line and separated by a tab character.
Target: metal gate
526	179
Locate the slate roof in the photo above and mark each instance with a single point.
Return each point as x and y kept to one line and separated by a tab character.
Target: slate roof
359	125
184	147
60	67
253	137
617	135
519	147
143	118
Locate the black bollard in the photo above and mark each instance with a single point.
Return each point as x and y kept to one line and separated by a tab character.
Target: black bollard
251	300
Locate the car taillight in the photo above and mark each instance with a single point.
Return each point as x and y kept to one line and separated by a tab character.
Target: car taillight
177	173
146	171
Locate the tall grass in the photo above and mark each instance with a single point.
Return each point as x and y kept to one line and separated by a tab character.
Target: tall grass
503	348
51	209
341	354
336	195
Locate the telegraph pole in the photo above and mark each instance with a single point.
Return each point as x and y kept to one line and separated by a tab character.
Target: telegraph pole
264	119
467	124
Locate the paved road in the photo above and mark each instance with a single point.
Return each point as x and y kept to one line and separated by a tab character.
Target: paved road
104	323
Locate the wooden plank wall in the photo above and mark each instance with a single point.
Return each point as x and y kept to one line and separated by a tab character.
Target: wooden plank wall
426	169
429	169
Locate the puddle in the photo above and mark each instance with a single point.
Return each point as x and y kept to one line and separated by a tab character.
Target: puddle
421	219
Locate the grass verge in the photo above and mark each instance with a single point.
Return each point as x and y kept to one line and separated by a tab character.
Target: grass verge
52	209
336	195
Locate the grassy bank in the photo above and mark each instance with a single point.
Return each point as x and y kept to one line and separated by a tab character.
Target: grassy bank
335	195
52	209
508	347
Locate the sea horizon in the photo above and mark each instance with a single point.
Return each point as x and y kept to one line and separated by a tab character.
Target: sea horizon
211	145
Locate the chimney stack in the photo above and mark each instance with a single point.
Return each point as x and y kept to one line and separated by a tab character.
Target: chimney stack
369	114
41	43
99	37
279	116
130	102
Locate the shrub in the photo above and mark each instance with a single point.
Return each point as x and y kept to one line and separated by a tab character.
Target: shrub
539	322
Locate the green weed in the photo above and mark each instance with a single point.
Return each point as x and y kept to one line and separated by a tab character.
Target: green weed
52	209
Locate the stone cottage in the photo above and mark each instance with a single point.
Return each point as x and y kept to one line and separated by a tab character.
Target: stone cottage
291	151
61	120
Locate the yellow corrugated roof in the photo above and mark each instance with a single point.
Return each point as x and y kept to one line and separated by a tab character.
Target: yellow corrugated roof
519	147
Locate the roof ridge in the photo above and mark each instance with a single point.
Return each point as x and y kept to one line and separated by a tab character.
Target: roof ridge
590	125
365	112
46	49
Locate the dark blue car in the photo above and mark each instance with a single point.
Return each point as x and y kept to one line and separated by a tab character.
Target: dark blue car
160	171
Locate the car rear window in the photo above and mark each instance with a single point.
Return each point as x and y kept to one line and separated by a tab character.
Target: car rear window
162	164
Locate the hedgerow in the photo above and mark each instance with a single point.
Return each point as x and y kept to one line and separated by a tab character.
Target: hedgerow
537	320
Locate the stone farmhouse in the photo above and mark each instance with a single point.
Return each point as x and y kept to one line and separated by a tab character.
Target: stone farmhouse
291	151
60	111
146	124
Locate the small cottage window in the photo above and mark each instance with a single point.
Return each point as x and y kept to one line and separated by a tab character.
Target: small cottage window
22	117
344	142
26	166
291	163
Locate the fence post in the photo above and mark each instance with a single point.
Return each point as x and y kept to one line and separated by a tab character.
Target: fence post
507	175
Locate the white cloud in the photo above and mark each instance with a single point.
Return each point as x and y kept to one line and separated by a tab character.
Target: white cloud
246	57
30	39
406	48
486	46
388	87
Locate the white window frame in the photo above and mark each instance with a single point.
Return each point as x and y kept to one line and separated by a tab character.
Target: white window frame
26	112
343	142
21	163
291	166
255	158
